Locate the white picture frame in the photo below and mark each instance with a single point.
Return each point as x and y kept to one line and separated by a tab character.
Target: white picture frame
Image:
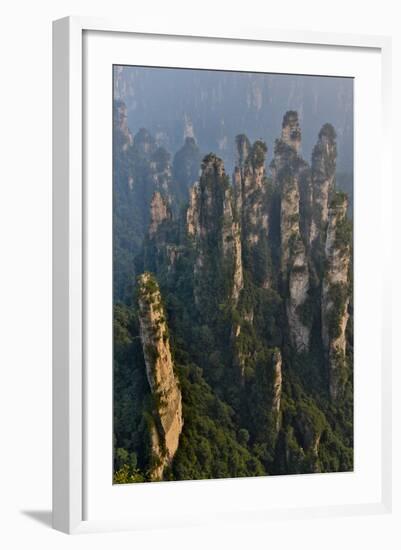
69	258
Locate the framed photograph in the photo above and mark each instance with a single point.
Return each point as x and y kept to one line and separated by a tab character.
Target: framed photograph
220	325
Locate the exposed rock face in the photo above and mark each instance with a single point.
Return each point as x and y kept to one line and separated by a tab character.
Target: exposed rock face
251	189
121	125
154	166
193	227
159	212
161	250
305	203
323	176
252	207
277	386
238	275
294	262
231	246
335	294
286	154
289	220
298	285
286	148
211	220
167	413
161	171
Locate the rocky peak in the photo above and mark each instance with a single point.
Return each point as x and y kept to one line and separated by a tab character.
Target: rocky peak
212	223
285	158
190	142
250	188
212	166
186	165
291	131
144	142
323	176
286	148
167	422
211	192
243	148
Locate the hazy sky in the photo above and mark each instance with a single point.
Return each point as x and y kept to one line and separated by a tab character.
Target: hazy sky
214	106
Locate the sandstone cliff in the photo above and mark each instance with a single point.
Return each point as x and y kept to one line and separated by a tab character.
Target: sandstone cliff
159	213
335	293
291	130
121	126
323	179
161	251
250	186
252	205
288	169
167	411
212	225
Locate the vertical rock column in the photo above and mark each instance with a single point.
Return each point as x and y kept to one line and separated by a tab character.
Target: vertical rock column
250	186
287	169
294	264
323	178
167	411
251	200
212	224
160	250
231	246
291	131
335	294
159	213
121	125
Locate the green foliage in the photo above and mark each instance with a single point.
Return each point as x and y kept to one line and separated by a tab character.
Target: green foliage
343	236
345	183
209	446
127	474
258	153
328	131
148	284
261	420
338	199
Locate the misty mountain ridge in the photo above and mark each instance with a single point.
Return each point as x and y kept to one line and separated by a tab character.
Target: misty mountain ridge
215	106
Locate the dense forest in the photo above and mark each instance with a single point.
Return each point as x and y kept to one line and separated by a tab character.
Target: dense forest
233	318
